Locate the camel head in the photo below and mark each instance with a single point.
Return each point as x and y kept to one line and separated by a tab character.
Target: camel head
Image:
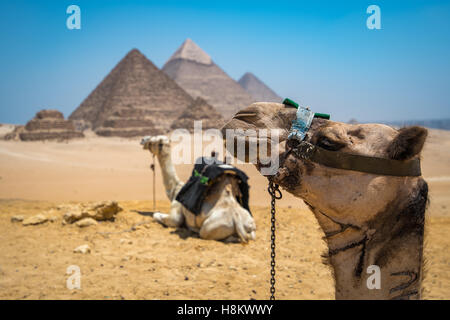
245	131
157	145
333	189
367	218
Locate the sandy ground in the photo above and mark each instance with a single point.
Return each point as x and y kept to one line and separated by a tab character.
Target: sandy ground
162	263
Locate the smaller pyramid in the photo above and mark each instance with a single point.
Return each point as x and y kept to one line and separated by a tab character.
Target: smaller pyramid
199	110
49	125
258	89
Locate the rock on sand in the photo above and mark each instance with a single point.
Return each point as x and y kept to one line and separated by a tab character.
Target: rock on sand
37	219
86	222
17	218
99	211
84	249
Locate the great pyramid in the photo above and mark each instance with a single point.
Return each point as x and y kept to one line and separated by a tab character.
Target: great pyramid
258	89
199	110
48	125
196	73
135	98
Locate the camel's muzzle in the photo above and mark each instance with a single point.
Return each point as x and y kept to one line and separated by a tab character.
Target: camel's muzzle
144	142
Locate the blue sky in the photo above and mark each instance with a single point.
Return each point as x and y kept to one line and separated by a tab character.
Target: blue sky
320	53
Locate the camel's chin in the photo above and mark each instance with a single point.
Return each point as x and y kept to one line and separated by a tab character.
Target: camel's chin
267	167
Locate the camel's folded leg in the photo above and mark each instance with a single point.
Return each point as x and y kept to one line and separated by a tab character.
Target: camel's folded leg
218	226
229	224
174	219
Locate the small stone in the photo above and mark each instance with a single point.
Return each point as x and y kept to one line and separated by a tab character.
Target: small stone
126	241
53	219
84	249
86	222
17	218
34	220
136	228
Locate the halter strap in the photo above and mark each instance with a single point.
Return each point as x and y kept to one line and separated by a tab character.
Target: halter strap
348	161
342	160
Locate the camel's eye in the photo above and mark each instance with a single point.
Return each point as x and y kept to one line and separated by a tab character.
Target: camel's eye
329	144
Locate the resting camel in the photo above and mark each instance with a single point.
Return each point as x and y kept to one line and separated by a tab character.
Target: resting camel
221	216
368	219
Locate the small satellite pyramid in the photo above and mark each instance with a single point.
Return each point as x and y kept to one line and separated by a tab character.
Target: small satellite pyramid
258	89
135	98
194	70
49	125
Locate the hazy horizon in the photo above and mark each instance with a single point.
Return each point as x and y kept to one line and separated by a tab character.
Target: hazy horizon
320	54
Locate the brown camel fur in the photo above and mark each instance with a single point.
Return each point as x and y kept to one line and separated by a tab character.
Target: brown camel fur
369	221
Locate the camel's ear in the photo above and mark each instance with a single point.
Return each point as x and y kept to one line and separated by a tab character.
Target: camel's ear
408	143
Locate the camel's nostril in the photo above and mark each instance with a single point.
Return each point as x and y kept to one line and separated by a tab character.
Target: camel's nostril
241	115
145	142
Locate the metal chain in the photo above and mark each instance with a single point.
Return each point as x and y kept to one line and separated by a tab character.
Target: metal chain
275	193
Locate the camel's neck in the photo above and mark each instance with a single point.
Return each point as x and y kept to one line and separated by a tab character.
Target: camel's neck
389	269
170	178
383	259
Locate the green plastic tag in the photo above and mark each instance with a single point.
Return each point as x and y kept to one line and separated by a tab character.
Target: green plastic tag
290	102
294	104
322	115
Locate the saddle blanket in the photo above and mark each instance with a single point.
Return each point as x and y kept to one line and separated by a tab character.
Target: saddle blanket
203	177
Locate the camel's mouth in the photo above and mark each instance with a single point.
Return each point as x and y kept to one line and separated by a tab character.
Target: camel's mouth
289	172
237	125
256	147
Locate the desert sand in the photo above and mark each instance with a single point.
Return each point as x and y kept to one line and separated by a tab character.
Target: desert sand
136	258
